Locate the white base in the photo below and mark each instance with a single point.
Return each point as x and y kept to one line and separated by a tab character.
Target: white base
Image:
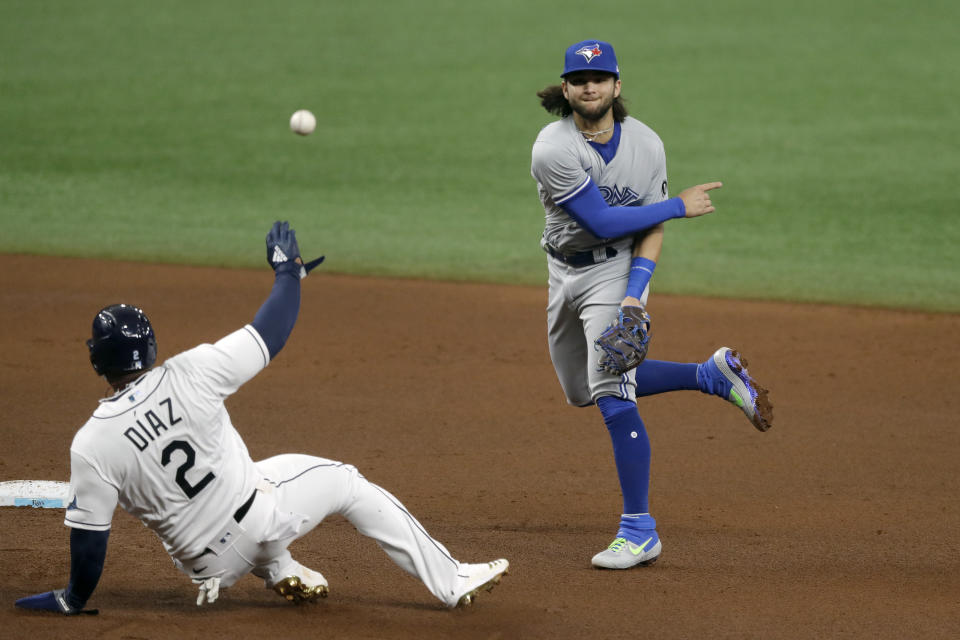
40	494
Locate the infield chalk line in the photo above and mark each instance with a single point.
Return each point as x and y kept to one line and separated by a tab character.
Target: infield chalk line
40	494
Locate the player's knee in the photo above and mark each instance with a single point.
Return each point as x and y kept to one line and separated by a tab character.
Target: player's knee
612	406
577	391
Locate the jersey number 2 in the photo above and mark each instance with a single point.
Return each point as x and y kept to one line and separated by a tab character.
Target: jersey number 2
189	489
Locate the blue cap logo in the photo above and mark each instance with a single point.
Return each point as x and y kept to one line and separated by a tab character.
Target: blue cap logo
590	55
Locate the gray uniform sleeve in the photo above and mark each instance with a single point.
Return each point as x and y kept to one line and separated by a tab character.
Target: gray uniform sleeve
558	171
657	190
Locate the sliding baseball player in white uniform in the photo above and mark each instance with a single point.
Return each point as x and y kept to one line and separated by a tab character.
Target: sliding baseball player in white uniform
164	449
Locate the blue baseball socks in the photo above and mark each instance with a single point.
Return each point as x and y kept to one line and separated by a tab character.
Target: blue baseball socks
631	452
660	376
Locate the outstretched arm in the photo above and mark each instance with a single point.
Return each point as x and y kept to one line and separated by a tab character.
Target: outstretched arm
228	364
592	212
87	552
275	319
88	517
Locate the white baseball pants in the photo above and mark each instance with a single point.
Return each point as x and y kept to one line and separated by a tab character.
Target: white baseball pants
299	491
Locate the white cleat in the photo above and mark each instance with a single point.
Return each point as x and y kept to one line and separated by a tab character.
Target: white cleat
625	554
308	586
474	578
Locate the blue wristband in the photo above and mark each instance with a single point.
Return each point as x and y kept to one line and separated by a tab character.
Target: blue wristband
641	270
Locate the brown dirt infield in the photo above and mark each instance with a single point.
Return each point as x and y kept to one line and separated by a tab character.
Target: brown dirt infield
840	522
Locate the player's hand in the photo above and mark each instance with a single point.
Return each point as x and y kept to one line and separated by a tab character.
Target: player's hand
697	200
54	601
283	252
209	590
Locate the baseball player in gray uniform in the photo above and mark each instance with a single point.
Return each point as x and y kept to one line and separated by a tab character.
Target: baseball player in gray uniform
602	180
163	448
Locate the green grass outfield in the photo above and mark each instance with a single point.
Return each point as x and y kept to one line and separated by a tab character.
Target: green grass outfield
158	131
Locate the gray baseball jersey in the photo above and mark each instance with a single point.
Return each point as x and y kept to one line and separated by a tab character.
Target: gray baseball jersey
564	164
583	301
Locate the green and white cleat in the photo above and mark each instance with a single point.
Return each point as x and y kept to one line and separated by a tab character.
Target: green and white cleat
626	554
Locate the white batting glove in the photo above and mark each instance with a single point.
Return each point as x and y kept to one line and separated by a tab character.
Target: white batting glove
209	589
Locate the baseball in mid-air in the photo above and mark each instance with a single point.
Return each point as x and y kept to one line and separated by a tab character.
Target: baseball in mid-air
302	122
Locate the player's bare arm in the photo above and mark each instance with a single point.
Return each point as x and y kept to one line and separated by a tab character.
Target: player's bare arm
650	244
646	246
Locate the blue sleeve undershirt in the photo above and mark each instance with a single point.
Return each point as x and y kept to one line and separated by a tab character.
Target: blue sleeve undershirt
88	549
593	213
641	270
275	319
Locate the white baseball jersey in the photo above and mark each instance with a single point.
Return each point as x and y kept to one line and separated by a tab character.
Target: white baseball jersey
165	450
564	163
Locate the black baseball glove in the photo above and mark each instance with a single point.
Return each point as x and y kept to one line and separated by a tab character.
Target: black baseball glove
624	344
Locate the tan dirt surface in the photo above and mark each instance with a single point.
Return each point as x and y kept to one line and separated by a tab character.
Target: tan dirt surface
840	522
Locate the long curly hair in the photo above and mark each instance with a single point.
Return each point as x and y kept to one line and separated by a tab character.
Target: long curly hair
551	98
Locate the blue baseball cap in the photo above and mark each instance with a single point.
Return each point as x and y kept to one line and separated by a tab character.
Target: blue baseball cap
590	55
